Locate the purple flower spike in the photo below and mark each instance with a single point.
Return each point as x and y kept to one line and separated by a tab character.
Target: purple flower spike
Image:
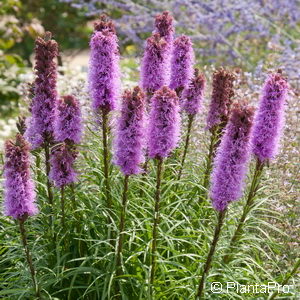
104	23
104	73
68	127
40	125
164	123
155	70
164	26
232	158
182	63
221	99
269	118
192	95
19	195
130	133
62	160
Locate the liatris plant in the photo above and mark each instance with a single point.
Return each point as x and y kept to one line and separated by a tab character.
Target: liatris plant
40	126
229	172
164	26
104	80
192	97
67	130
129	154
155	65
62	172
19	195
265	140
68	124
163	135
181	64
219	110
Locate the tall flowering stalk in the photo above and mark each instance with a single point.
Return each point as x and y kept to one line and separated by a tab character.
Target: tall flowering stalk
40	125
267	130
164	26
192	97
181	64
129	154
67	131
155	71
228	175
19	195
104	81
163	136
219	110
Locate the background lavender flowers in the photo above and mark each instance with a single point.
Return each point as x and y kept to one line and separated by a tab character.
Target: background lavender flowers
269	118
164	123
181	63
104	73
192	95
130	132
19	193
68	125
40	125
221	98
232	157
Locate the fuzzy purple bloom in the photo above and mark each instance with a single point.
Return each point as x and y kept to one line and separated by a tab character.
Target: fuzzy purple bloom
164	123
104	23
104	73
232	158
62	160
221	99
164	26
155	70
181	63
130	133
269	118
192	95
40	125
68	124
19	194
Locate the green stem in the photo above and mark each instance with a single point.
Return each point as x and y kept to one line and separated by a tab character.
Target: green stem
210	254
287	278
155	221
106	168
187	141
247	208
28	256
62	199
122	226
47	162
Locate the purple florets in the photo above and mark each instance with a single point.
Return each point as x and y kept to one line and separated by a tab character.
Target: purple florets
269	118
19	195
40	125
104	73
62	160
221	99
192	95
164	123
164	26
155	70
232	157
182	63
130	132
68	127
